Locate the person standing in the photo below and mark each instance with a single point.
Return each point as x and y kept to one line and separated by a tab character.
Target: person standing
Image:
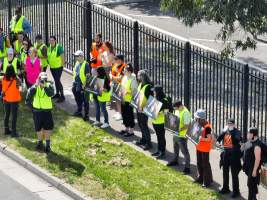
80	71
4	45
42	51
252	162
10	61
102	98
18	43
56	61
204	147
180	140
96	50
107	56
129	87
11	98
39	98
230	157
32	67
144	88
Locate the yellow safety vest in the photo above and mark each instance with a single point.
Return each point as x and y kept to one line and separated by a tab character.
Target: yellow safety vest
23	56
17	27
4	52
181	121
14	64
126	84
54	60
41	100
105	96
18	46
44	62
142	94
81	73
160	118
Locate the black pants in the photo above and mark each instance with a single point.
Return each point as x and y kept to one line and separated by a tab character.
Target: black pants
233	162
56	73
204	168
160	131
13	109
253	183
142	122
82	100
127	115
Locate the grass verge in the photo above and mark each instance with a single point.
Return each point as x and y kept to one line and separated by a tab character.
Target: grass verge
100	165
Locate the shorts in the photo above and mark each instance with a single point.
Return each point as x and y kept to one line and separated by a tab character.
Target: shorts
43	120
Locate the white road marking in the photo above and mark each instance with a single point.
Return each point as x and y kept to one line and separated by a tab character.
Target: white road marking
150	16
220	41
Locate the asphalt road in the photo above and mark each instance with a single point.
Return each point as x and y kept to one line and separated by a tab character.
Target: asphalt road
202	33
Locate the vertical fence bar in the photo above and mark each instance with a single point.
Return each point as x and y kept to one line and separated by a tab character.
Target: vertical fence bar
46	21
136	46
9	15
245	101
187	69
88	28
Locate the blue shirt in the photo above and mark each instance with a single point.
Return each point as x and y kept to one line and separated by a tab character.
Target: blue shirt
26	25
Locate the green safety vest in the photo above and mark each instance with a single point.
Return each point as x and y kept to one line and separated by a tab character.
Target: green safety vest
160	118
54	60
181	123
142	92
41	100
17	27
14	64
4	52
128	91
44	62
81	73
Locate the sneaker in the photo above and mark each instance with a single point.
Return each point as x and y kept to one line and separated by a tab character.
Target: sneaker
235	195
15	135
56	96
47	149
172	163
96	123
39	147
224	191
186	170
85	118
155	154
140	143
147	147
161	155
105	125
122	132
61	99
77	114
118	118
128	134
7	131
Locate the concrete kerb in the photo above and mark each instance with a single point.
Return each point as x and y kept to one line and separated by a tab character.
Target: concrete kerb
55	182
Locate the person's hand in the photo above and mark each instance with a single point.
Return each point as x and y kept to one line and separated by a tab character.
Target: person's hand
254	174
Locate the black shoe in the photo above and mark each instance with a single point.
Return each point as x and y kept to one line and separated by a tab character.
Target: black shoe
7	131
161	155
85	118
205	185
224	191
47	149
140	143
235	195
128	134
39	147
186	170
155	154
15	135
56	96
77	114
172	163
147	147
61	99
122	132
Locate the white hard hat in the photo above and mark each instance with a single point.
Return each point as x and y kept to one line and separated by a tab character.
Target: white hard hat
79	53
200	114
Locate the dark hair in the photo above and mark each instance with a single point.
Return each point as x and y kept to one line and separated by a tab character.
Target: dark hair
18	9
10	73
109	46
53	37
38	37
99	35
101	73
231	120
254	131
129	68
160	95
144	76
29	42
177	104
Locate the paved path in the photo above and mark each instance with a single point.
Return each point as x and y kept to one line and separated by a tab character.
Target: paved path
17	183
203	33
70	106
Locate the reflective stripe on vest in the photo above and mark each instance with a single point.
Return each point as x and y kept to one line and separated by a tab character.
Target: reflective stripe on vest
54	60
17	27
105	97
14	64
44	62
204	146
41	100
81	72
126	84
142	94
180	114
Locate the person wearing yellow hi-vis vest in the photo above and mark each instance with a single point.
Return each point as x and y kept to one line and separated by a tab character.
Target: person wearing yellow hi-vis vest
128	89
158	123
144	90
80	71
17	44
56	61
41	51
4	45
39	98
180	140
103	97
10	61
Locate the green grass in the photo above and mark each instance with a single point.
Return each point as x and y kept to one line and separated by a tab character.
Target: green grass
100	165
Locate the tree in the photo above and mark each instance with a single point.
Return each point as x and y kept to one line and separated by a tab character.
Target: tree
248	17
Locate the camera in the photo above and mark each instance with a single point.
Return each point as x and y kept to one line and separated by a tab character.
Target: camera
42	80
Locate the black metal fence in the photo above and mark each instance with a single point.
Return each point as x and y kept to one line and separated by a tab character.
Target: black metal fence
187	71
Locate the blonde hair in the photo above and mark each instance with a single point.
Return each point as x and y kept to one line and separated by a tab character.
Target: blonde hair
34	50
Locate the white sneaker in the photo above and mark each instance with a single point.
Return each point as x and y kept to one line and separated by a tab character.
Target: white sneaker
118	118
96	123
105	125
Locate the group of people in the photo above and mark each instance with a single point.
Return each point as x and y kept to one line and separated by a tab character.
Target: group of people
22	61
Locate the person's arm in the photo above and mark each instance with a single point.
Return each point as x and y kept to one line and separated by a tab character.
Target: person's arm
26	25
220	138
148	91
257	153
8	44
49	90
134	86
208	135
30	94
60	52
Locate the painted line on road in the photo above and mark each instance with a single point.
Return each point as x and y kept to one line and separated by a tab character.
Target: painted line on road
150	16
220	41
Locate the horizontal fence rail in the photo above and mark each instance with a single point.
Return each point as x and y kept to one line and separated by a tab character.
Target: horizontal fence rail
187	71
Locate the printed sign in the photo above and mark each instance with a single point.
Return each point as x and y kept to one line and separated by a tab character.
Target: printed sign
116	91
172	121
152	107
94	85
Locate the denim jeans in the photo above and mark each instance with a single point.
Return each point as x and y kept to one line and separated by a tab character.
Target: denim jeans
102	106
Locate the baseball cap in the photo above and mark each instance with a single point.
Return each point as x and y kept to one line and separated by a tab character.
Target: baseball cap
79	53
10	51
200	114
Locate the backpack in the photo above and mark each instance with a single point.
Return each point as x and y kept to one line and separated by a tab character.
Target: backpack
170	107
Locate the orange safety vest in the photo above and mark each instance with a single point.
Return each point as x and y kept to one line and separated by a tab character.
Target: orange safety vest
12	93
117	70
204	146
95	53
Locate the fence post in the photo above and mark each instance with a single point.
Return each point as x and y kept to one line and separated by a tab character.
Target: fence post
46	22
187	74
245	101
136	47
88	29
9	14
